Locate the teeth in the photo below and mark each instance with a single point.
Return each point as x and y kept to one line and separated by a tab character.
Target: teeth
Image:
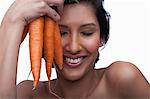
73	61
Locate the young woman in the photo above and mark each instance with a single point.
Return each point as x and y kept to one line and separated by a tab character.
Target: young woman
84	28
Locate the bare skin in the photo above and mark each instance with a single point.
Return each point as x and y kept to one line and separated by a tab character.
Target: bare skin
108	86
105	87
120	80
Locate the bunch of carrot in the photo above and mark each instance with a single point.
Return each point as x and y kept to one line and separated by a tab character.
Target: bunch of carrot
44	33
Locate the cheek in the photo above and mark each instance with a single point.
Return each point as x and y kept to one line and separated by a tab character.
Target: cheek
64	41
91	44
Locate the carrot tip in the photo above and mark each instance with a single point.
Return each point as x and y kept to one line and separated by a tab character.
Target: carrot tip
61	67
49	85
35	84
33	88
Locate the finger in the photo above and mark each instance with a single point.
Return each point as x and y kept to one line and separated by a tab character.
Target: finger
58	3
52	13
60	8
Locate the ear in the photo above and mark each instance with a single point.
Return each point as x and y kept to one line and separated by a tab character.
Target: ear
101	43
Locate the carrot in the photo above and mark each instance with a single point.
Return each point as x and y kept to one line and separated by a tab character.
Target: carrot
58	47
25	32
36	44
49	47
49	44
44	32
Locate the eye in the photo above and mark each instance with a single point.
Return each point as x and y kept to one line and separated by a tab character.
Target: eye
86	33
63	33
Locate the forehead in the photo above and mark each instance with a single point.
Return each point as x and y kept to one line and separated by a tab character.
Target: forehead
80	12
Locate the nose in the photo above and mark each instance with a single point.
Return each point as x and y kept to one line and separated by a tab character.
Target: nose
73	46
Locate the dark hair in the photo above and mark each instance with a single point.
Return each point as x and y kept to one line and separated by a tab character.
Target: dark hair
102	16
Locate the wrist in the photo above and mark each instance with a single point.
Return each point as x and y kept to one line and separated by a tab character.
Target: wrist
16	20
12	29
11	18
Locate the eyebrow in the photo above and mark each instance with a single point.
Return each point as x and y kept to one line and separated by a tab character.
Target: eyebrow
88	24
84	25
64	26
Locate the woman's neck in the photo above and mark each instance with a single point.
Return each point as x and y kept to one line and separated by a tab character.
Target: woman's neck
80	88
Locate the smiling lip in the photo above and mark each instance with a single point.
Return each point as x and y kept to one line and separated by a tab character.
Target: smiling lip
73	60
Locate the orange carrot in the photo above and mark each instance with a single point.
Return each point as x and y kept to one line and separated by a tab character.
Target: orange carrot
50	29
36	45
50	40
25	32
58	47
49	44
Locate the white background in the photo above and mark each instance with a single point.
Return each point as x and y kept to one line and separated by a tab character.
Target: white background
129	37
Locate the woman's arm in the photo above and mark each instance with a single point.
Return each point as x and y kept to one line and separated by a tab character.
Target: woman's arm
10	37
20	13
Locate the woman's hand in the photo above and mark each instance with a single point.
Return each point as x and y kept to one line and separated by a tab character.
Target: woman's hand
24	11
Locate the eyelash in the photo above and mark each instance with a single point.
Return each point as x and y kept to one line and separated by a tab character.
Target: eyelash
63	33
87	33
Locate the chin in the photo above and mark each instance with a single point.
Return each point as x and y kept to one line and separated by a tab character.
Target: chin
72	75
72	79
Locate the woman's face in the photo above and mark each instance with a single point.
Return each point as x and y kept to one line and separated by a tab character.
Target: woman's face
80	40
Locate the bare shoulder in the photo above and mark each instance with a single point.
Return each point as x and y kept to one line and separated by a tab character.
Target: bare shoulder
24	89
127	79
123	71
